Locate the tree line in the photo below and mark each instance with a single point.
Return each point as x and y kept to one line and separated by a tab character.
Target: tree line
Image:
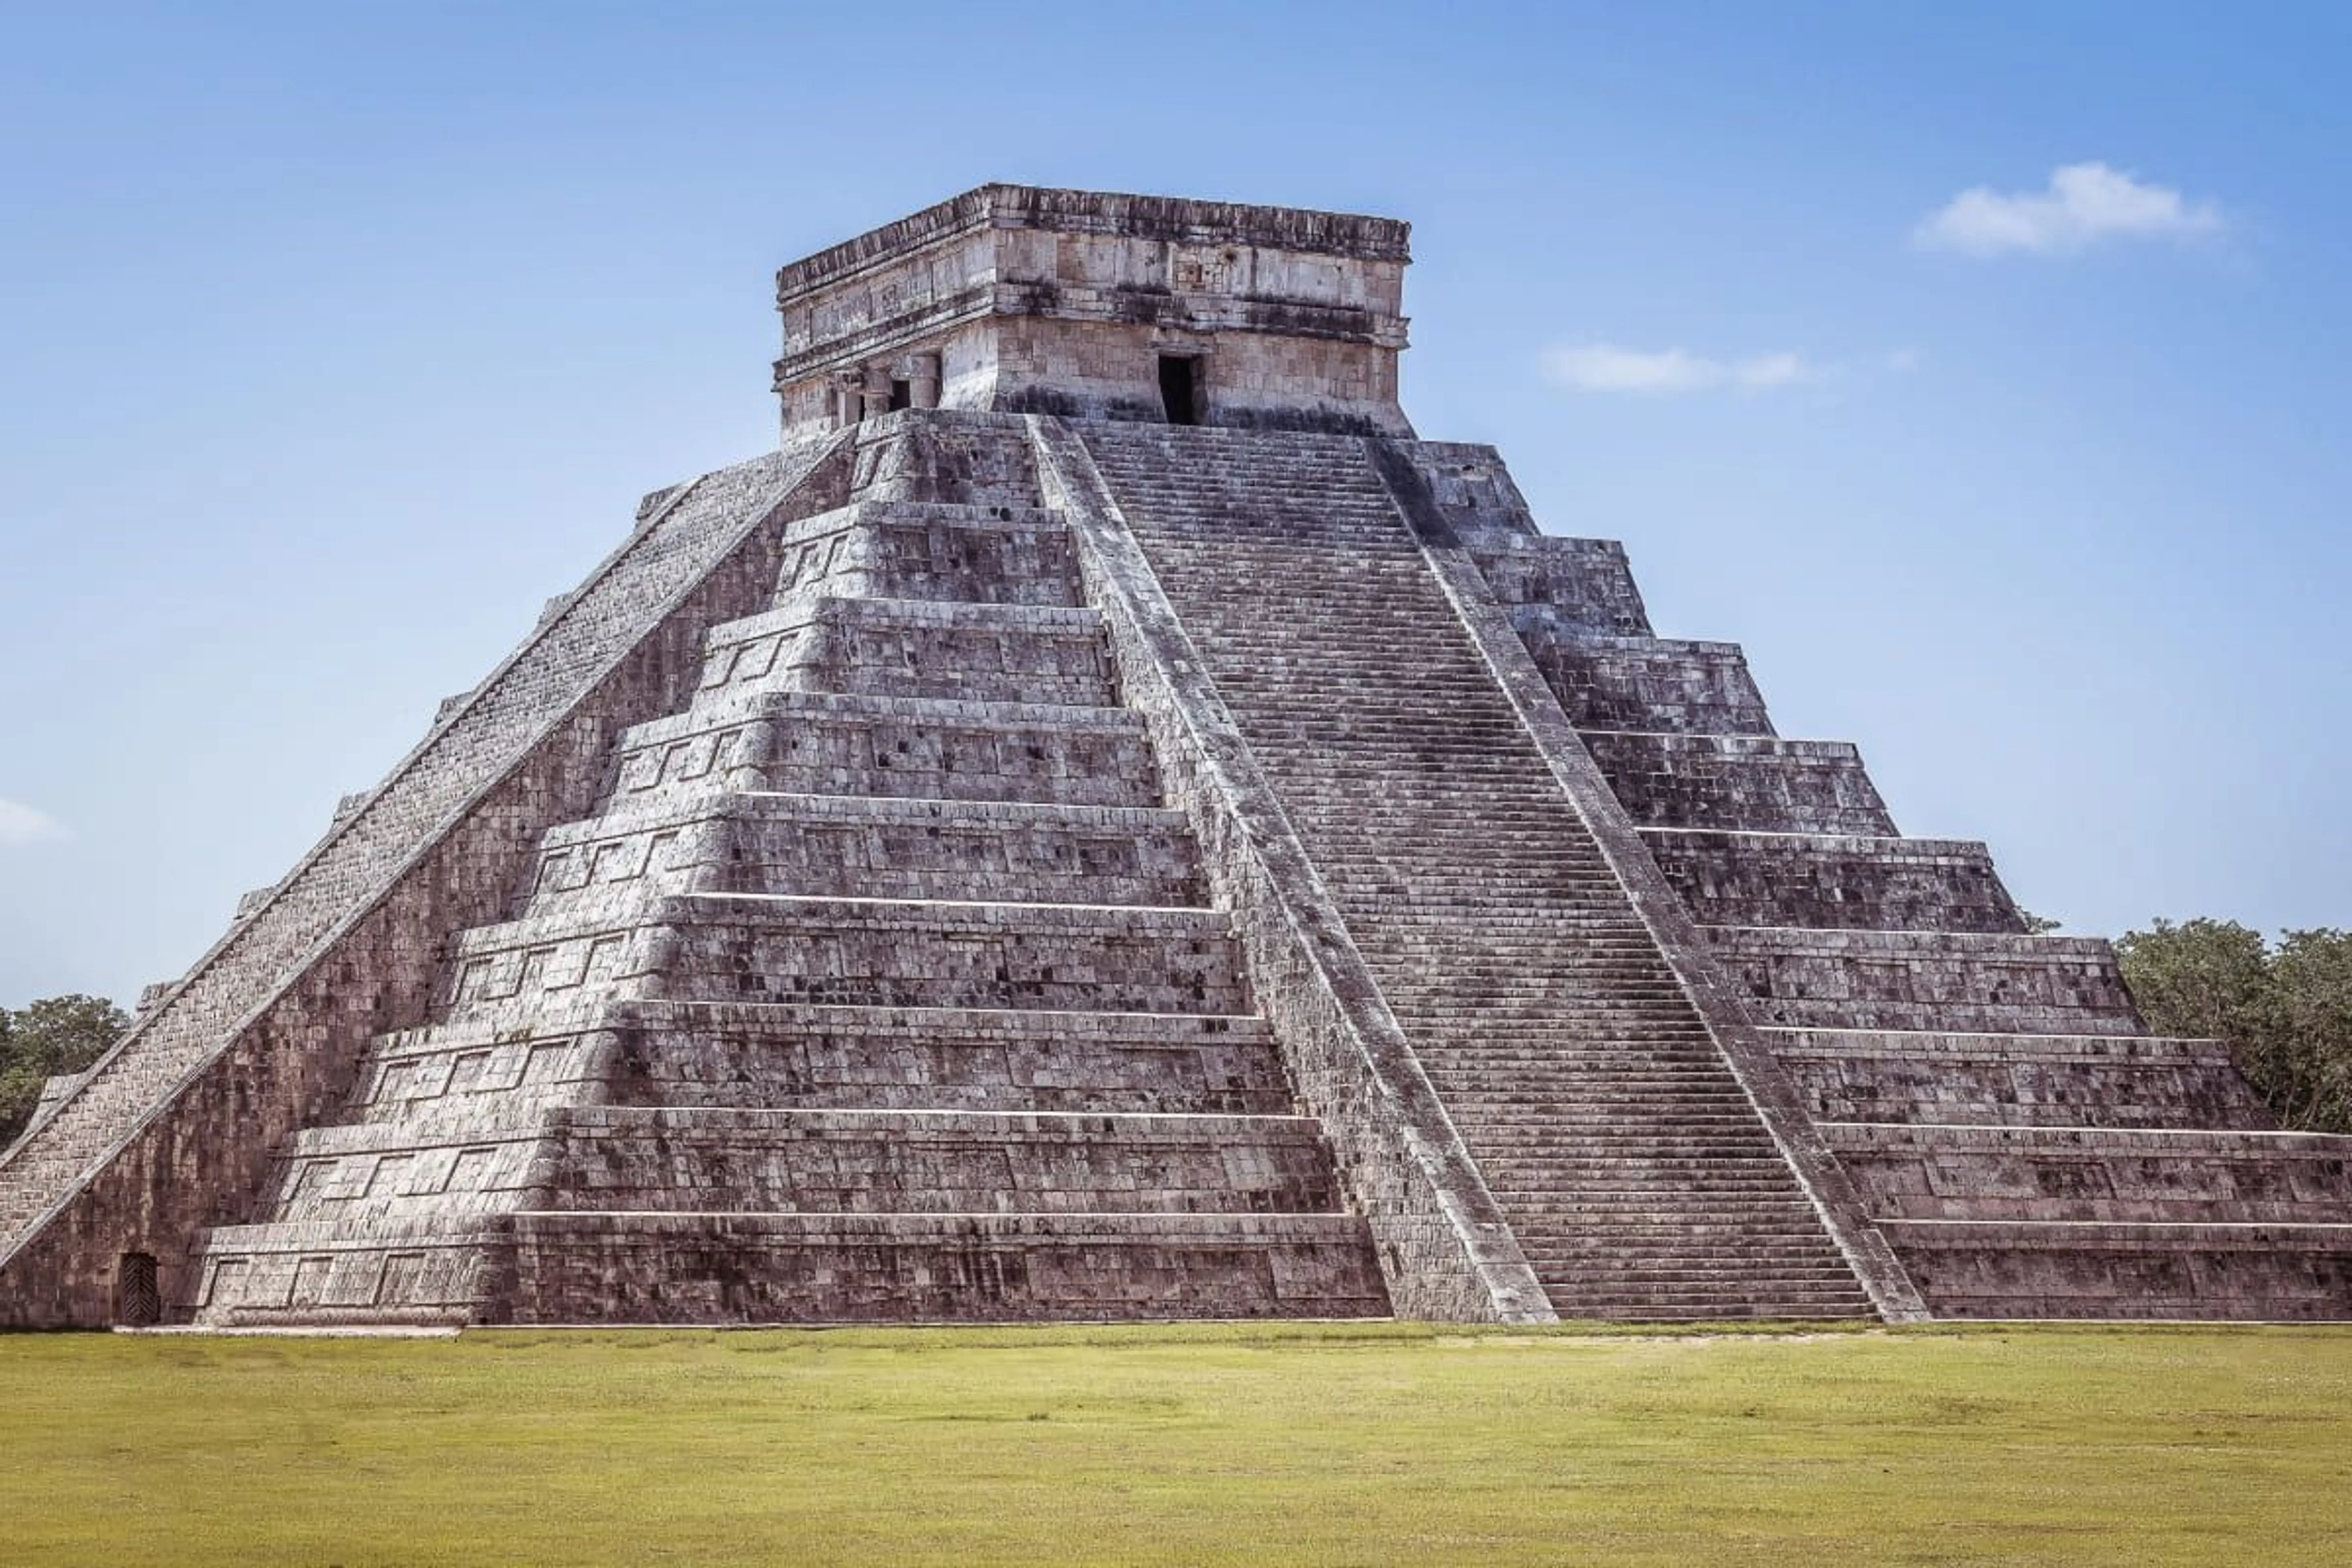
57	1034
2285	1008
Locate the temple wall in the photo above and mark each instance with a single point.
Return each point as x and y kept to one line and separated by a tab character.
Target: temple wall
1064	302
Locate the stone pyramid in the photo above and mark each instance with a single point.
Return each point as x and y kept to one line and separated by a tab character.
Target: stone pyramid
1103	822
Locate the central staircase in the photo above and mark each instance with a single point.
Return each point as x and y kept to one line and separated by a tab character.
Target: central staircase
1634	1170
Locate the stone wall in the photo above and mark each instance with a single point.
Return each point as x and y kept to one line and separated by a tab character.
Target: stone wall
1831	881
1010	298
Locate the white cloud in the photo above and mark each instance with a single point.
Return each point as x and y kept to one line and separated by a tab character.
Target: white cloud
1606	367
20	824
2085	202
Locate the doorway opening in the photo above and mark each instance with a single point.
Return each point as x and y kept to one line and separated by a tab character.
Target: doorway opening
1179	389
138	1304
902	394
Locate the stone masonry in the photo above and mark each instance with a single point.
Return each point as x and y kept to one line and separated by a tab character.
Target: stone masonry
1106	823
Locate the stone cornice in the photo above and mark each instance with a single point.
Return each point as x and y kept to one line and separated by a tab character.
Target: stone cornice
1176	219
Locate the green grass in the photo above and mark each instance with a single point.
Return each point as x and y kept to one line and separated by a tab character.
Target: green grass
1159	1445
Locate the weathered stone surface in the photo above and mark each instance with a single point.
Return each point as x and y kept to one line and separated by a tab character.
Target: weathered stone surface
1832	881
1490	921
1006	858
174	1130
2016	1080
962	970
1067	302
2021	1269
2017	1136
730	1054
1931	980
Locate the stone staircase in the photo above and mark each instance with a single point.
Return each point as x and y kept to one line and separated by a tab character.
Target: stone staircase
882	989
1632	1168
2023	1142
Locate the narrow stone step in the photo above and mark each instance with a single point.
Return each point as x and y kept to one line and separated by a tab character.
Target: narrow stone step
863	744
1914	1171
1929	980
762	1055
619	1268
868	952
913	648
711	1160
2021	1079
930	550
2012	1269
872	847
937	1161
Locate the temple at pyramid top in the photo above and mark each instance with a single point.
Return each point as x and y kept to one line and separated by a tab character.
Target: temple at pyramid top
1098	305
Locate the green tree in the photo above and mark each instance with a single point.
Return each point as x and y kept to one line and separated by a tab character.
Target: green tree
55	1035
2311	1028
2206	979
2287	1011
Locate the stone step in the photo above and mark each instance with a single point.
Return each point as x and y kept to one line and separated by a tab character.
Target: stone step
1737	1236
871	847
2008	1269
1759	1270
913	648
2106	1080
1650	683
735	947
774	1056
1825	881
574	1267
1604	1077
1929	980
394	1171
1710	1307
930	549
709	1160
1565	1115
923	747
581	1267
939	1162
1645	1145
1918	1171
1677	1183
759	1056
1740	781
439	1271
1631	1215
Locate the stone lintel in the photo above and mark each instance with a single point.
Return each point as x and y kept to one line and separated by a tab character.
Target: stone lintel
1168	219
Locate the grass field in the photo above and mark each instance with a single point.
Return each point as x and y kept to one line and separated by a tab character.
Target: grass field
1208	1445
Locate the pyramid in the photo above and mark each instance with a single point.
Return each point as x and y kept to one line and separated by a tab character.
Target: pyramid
1105	822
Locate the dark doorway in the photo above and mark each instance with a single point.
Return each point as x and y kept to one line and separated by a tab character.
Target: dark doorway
138	1304
1180	394
902	395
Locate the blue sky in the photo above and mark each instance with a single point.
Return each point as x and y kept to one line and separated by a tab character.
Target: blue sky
335	338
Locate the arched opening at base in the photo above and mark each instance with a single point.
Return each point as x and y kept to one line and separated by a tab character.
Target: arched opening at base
138	1301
